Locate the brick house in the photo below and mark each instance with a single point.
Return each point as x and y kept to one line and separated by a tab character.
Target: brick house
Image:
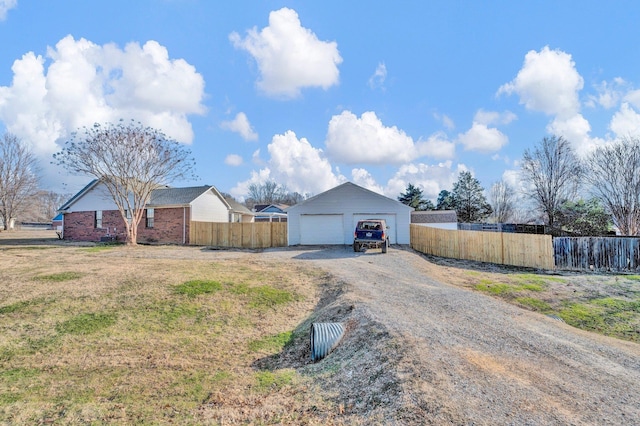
91	214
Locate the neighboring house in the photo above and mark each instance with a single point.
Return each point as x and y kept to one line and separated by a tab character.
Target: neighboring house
56	222
331	217
91	214
12	223
270	212
443	219
237	212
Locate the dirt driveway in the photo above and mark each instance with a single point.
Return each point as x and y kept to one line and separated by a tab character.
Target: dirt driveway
465	358
421	349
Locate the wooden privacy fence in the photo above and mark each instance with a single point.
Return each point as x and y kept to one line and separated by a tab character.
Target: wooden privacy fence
528	250
597	253
238	235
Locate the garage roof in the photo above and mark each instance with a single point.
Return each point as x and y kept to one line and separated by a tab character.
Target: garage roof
348	185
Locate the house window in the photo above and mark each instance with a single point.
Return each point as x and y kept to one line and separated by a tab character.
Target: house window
97	223
150	214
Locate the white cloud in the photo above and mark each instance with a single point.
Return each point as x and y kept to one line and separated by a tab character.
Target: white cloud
504	158
233	160
376	81
5	6
483	139
79	83
437	146
366	140
241	125
633	98
576	130
446	121
492	117
626	121
364	179
609	93
296	164
241	190
289	56
87	83
255	158
430	178
548	82
513	178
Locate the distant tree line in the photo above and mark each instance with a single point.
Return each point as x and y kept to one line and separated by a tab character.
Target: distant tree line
271	192
585	197
20	195
467	198
554	181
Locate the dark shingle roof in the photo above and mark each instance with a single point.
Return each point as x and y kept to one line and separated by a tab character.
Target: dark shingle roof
270	208
164	197
434	216
237	207
176	196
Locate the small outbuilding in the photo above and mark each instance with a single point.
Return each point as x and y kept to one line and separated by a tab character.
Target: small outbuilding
331	217
443	219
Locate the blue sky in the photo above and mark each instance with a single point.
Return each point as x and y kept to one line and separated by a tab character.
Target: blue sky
311	94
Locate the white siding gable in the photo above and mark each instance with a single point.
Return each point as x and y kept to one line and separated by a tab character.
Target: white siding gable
96	198
208	207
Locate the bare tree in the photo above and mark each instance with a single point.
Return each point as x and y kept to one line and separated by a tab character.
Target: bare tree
44	205
553	172
18	178
502	199
268	192
130	160
271	192
614	176
49	202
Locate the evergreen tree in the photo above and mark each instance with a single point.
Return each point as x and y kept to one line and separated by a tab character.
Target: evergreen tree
413	197
471	204
587	218
445	201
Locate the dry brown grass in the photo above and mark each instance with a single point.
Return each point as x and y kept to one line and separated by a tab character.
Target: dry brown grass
605	303
102	335
160	334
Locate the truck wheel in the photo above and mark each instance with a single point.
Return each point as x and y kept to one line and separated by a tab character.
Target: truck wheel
356	247
385	245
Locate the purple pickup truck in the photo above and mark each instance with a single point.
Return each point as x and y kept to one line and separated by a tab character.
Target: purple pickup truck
371	233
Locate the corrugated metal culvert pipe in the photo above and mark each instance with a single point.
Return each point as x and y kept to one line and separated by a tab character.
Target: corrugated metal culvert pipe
324	337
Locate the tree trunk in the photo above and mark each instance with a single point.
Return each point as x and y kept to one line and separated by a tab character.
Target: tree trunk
131	234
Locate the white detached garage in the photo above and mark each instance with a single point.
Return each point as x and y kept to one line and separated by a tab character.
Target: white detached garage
331	217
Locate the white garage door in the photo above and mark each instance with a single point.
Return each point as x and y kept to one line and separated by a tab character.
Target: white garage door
390	218
321	229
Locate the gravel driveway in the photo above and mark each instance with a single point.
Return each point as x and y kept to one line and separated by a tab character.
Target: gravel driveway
468	358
